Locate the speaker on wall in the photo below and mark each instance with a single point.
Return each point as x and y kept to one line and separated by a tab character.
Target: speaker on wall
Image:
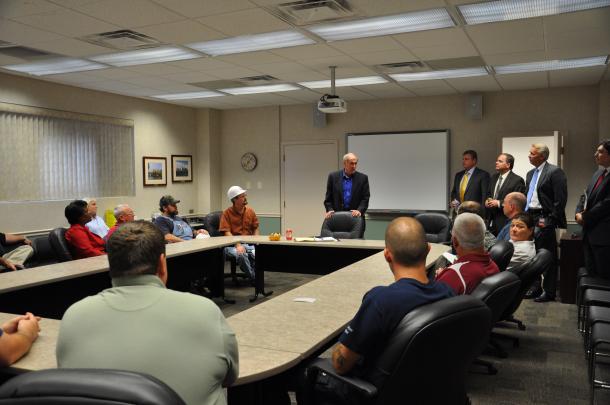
319	118
474	108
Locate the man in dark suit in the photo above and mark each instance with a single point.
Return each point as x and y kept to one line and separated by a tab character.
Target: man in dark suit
503	182
347	190
470	184
547	195
593	213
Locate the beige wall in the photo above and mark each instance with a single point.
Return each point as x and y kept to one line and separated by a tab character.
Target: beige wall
160	130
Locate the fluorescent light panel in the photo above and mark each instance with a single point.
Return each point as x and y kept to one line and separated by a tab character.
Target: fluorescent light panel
249	43
189	95
352	81
440	74
271	88
386	25
146	56
55	66
551	65
505	10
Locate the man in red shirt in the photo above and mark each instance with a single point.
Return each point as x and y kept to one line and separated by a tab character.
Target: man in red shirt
81	241
473	263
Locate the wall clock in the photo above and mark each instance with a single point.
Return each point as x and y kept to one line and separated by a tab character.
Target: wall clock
249	161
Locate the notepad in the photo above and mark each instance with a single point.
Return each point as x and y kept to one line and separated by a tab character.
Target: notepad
305	299
316	239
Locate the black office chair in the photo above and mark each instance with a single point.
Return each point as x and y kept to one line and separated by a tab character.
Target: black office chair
424	362
87	387
497	292
436	226
342	225
501	253
57	238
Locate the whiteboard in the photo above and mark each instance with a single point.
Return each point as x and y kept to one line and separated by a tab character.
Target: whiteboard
408	171
519	147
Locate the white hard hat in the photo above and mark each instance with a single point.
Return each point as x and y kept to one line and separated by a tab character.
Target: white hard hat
234	191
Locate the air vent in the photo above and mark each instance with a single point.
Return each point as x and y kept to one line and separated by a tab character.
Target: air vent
401	67
256	80
307	12
4	44
23	52
124	40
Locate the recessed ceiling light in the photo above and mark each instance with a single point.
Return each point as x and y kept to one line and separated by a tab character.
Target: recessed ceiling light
55	66
145	56
551	65
189	95
386	25
440	74
271	88
505	10
352	81
249	43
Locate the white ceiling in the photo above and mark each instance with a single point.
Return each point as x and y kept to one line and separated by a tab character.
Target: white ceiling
55	25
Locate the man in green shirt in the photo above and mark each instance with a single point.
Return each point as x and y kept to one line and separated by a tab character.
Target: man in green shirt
139	325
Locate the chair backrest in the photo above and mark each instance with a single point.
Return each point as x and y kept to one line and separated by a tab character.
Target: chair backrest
43	251
427	357
342	225
528	272
498	292
436	226
60	245
501	253
87	387
211	223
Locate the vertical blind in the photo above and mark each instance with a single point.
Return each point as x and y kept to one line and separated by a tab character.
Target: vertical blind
47	157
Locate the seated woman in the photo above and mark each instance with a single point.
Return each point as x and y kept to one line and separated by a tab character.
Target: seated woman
81	241
521	236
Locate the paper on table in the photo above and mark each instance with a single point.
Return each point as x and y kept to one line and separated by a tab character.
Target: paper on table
316	239
450	257
305	299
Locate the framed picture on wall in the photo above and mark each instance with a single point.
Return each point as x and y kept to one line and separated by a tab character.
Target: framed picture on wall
155	171
182	168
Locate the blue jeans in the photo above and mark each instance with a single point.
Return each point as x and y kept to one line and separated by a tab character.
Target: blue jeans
244	261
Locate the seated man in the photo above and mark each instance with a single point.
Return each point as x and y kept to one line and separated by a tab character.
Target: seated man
473	262
383	308
122	213
81	241
514	203
474	207
16	338
174	228
139	325
14	259
239	219
96	224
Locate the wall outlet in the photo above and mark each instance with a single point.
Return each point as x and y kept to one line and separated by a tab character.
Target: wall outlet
191	211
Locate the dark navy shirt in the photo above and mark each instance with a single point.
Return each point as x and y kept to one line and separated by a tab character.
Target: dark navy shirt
381	311
347	191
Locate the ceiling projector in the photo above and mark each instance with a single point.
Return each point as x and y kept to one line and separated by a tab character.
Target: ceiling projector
330	104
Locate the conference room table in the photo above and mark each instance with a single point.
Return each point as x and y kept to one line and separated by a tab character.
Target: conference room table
279	333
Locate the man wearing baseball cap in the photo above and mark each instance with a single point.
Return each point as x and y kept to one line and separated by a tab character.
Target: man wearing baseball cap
239	219
174	228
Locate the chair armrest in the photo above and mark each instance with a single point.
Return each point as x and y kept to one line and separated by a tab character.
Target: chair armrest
322	369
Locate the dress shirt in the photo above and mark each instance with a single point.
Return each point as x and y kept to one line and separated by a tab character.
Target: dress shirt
347	190
500	182
535	202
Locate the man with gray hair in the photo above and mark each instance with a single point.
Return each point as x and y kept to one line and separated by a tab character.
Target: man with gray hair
547	195
122	213
347	190
473	263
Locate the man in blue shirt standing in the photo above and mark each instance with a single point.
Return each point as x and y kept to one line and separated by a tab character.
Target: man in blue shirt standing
347	190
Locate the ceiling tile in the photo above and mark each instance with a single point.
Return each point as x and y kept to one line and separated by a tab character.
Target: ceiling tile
386	90
431	86
233	73
508	37
295	75
474	84
252	58
67	22
375	8
114	73
306	52
576	77
156	69
9	60
181	32
381	57
191	77
132	13
306	96
174	87
70	47
533	80
18	8
322	64
516	57
353	93
245	22
575	31
22	34
75	78
201	64
438	44
362	45
199	8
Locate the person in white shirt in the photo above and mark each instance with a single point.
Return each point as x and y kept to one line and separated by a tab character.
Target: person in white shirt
97	224
522	238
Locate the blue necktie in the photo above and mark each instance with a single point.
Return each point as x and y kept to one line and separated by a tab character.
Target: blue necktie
530	192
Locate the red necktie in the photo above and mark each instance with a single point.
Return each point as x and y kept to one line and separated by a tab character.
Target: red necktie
599	180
